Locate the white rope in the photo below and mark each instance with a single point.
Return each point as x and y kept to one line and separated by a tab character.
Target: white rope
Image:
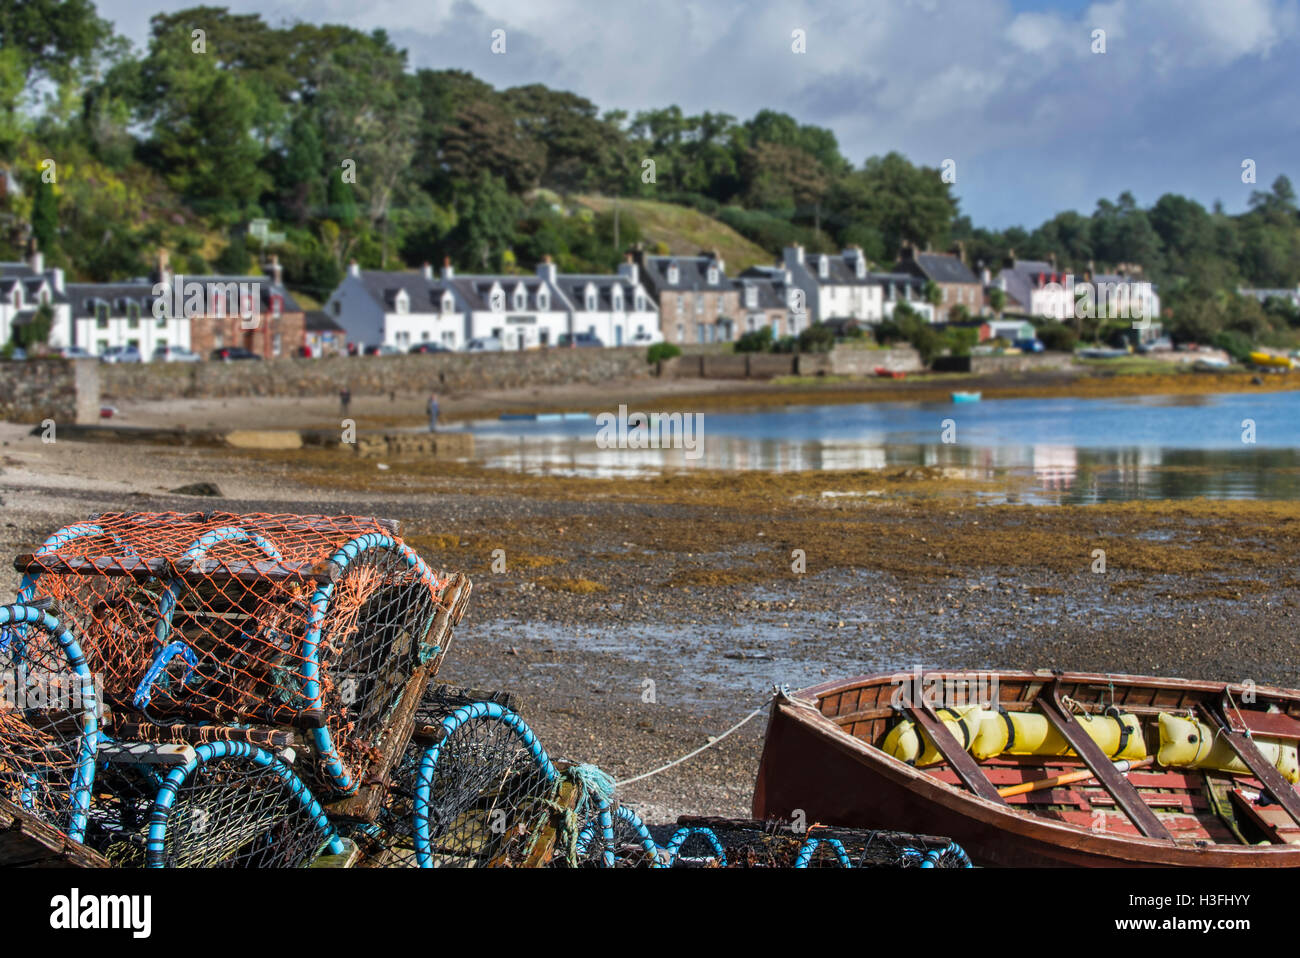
663	768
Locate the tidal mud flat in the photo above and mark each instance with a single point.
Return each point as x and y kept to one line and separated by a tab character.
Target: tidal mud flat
634	618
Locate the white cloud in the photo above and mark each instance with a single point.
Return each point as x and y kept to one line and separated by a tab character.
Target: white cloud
979	79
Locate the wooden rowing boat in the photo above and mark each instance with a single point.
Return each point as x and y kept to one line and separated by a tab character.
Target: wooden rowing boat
822	762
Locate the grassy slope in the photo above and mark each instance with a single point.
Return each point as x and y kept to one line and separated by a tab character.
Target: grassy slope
685	231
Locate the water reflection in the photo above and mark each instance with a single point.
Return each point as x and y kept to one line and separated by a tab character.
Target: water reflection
1069	450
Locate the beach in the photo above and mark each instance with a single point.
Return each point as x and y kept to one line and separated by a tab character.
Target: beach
635	618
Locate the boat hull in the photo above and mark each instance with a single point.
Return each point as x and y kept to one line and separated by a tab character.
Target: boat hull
811	767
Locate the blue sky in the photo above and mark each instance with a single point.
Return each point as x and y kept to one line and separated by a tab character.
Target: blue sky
1009	89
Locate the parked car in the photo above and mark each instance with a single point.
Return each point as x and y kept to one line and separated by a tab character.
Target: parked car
1029	345
174	354
73	352
580	339
429	348
647	337
486	344
229	354
121	354
383	351
1161	345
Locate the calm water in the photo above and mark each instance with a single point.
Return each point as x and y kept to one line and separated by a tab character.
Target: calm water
1072	450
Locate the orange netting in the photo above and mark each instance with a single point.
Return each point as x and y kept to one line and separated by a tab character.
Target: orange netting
224	618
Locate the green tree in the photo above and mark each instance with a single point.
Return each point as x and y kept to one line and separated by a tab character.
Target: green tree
45	216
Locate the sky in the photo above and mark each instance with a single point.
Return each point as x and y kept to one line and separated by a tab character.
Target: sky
1011	91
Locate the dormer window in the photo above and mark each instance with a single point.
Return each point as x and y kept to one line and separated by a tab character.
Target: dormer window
860	267
447	302
543	299
751	296
713	276
640	302
823	267
617	298
674	275
400	303
591	299
521	298
497	300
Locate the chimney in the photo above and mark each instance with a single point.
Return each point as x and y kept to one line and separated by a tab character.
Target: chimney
427	271
447	271
959	248
628	269
546	269
354	269
798	253
56	280
164	269
1051	258
277	271
35	258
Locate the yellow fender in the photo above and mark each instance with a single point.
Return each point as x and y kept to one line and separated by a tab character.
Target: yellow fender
1187	743
1030	733
910	744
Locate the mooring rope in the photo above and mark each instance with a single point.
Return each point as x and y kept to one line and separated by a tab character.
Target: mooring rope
689	755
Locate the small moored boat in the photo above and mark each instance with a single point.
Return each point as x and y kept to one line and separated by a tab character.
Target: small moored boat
1053	768
966	397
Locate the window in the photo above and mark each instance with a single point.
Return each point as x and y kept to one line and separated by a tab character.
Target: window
133	315
400	303
424	335
218	340
447	302
640	302
713	276
275	344
681	332
338	308
521	298
498	302
18	298
101	315
674	275
543	300
101	346
751	296
277	304
823	267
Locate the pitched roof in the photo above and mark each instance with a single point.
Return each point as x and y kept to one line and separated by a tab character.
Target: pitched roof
771	290
941	268
838	270
319	321
692	274
141	291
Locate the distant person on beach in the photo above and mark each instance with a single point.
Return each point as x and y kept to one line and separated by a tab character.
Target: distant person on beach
432	409
345	399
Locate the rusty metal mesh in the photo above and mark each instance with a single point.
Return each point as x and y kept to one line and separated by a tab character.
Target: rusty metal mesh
281	620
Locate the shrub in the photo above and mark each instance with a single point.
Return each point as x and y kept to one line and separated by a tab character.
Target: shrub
816	339
661	351
1057	337
759	341
1234	343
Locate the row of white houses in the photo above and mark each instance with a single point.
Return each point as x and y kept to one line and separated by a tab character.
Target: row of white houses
404	309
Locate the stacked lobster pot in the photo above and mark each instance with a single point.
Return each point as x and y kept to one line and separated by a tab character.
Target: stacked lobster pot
214	689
